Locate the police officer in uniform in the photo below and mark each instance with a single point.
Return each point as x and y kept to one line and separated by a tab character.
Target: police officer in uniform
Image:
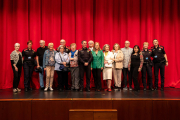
29	55
147	66
66	50
159	60
85	58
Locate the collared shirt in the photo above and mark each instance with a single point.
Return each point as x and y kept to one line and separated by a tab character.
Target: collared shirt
66	49
91	48
147	55
158	54
85	55
127	54
28	54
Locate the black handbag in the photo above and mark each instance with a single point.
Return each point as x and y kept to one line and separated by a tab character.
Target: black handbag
62	67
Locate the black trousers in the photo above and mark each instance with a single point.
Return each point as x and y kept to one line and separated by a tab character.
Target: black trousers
62	81
97	78
83	69
125	73
157	67
17	75
134	72
147	68
28	71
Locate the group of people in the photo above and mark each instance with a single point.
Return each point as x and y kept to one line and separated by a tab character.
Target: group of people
112	63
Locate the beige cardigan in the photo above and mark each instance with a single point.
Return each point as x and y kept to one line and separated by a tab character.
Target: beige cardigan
118	63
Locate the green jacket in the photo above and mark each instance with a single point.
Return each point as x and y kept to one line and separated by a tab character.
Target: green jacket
98	60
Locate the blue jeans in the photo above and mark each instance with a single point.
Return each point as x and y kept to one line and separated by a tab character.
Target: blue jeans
41	81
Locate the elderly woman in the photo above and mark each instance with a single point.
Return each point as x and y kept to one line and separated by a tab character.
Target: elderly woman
74	67
107	71
48	65
62	61
117	65
97	65
135	65
16	63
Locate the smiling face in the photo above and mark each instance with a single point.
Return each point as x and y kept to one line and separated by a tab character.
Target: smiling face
136	49
73	47
106	48
145	45
61	49
29	45
127	44
96	46
42	43
155	42
17	47
84	44
116	47
63	42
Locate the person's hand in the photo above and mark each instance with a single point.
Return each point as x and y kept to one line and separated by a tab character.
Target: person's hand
38	66
85	64
44	69
16	69
166	64
128	69
105	62
139	70
64	63
71	58
91	68
101	68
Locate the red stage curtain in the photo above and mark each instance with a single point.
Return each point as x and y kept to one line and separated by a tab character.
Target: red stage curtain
104	21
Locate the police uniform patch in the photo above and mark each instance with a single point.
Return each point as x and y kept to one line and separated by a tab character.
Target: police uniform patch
87	50
66	49
159	48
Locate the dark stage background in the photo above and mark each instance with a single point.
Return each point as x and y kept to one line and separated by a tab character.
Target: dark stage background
104	21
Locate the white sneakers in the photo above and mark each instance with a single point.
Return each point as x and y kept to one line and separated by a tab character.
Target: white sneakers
46	89
50	88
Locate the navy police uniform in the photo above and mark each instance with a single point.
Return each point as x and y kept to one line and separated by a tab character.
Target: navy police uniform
147	66
159	64
28	65
85	55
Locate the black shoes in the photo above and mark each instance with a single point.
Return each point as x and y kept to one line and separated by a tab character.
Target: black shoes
88	90
156	88
144	89
61	90
80	90
162	89
151	89
30	88
26	89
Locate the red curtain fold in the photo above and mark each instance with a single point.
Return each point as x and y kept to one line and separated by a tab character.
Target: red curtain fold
104	21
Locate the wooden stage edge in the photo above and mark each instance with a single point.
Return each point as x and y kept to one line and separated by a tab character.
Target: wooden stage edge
58	108
32	99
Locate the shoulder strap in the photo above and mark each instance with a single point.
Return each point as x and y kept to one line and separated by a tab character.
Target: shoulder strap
60	57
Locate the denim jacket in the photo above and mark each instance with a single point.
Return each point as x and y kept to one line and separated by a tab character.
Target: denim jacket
46	57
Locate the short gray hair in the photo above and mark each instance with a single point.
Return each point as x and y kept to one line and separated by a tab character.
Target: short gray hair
91	42
42	41
16	44
127	41
60	47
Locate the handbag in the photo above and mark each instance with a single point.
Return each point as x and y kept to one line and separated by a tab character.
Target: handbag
62	67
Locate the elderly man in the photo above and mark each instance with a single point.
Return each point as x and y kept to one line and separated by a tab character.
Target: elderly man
159	60
66	50
91	45
39	59
127	51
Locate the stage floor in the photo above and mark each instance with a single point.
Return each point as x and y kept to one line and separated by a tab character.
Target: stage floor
168	93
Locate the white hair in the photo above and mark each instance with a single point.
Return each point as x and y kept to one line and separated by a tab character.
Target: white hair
91	42
127	41
16	44
42	41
